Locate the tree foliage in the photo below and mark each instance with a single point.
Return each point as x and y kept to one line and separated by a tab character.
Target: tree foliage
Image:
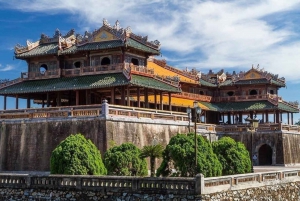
233	156
124	160
298	122
180	155
77	156
152	151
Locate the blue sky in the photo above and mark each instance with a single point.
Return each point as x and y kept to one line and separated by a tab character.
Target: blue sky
230	35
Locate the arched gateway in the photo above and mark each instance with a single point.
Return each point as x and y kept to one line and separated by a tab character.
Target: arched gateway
265	155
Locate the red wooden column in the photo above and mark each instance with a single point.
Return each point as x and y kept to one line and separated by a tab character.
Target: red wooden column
267	116
17	101
28	102
128	96
48	99
146	98
4	105
288	118
161	101
138	97
77	97
170	101
155	99
277	116
112	94
292	118
58	99
123	95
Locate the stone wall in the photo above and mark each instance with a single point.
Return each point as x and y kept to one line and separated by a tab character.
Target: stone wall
274	139
278	192
279	186
26	145
282	192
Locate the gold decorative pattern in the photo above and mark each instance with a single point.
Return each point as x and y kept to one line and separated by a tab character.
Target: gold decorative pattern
103	36
252	74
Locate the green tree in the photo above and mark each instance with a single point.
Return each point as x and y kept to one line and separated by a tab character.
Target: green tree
180	155
152	151
233	156
298	122
124	160
76	156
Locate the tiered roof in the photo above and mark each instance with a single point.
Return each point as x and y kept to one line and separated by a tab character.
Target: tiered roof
252	76
106	37
85	82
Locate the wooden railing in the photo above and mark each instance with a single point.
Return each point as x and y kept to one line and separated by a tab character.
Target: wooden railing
93	70
233	128
41	75
192	96
140	69
10	82
240	98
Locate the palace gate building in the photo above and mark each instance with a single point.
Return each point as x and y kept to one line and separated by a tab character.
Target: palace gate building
108	85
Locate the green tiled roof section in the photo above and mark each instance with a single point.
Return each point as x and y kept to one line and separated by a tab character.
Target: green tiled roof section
245	106
252	81
211	106
149	82
66	83
44	49
208	84
94	46
226	83
132	43
287	108
280	84
70	50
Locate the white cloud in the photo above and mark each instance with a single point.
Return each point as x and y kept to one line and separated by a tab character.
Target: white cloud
6	68
202	34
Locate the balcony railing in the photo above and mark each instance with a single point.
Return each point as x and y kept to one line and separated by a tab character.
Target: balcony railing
91	111
192	96
235	128
87	70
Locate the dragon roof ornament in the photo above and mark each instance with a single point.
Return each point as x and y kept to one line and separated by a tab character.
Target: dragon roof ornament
118	32
63	41
71	39
264	75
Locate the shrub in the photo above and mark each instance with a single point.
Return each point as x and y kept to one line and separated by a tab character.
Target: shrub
180	155
233	156
124	160
76	156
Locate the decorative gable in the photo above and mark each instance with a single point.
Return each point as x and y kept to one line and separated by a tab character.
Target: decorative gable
103	35
252	74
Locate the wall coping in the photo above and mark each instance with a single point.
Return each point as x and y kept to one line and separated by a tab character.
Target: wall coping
130	184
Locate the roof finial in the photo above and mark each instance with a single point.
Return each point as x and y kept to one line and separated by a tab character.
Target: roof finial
105	22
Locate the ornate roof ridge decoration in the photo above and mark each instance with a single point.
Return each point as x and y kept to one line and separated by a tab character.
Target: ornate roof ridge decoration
63	41
264	75
30	45
122	34
118	32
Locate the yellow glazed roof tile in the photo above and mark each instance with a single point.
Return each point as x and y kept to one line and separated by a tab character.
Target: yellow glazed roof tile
162	71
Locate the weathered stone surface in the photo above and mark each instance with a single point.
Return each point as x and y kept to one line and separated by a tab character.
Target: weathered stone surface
27	145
